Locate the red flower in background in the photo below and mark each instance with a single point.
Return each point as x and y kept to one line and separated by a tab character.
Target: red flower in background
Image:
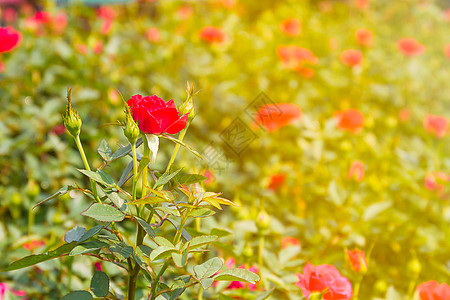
6	288
436	181
294	57
364	37
9	39
9	15
229	3
436	124
356	171
432	290
362	4
291	26
59	23
2	67
404	115
351	120
185	12
156	116
289	241
237	285
275	116
410	47
97	48
357	260
210	175
447	50
212	34
98	266
153	34
34	244
447	15
108	15
351	57
324	277
276	181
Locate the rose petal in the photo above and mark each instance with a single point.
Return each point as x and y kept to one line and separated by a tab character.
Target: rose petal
178	125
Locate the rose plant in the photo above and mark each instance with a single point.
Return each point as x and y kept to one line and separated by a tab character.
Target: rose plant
170	196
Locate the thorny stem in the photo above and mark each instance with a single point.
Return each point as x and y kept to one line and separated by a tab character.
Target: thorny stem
86	165
134	171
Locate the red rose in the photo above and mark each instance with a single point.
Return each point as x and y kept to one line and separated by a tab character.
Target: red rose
319	278
410	47
351	57
289	241
294	57
432	290
356	171
156	116
351	120
9	39
276	181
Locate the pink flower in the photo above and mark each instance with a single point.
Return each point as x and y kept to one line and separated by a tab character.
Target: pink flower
4	287
432	290
106	13
357	260
153	34
9	39
364	37
436	181
410	47
185	12
351	120
237	285
2	67
356	171
446	15
324	277
97	48
211	178
9	15
351	57
98	266
107	26
212	34
436	124
291	27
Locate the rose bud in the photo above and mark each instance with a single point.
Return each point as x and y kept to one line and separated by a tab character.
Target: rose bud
72	120
131	129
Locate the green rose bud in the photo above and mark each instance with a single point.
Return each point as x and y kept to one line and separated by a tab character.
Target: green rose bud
188	105
131	129
72	120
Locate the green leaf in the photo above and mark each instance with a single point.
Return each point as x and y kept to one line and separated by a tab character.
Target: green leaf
140	253
103	213
60	192
162	241
190	178
91	232
146	227
97	177
220	232
199	241
265	294
38	258
126	174
121	251
87	247
180	259
145	160
161	252
165	178
375	209
121	152
77	295
100	284
201	213
176	293
168	210
182	144
208	268
104	150
116	199
74	234
237	275
206	283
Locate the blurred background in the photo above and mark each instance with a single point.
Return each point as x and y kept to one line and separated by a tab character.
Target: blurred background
326	121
